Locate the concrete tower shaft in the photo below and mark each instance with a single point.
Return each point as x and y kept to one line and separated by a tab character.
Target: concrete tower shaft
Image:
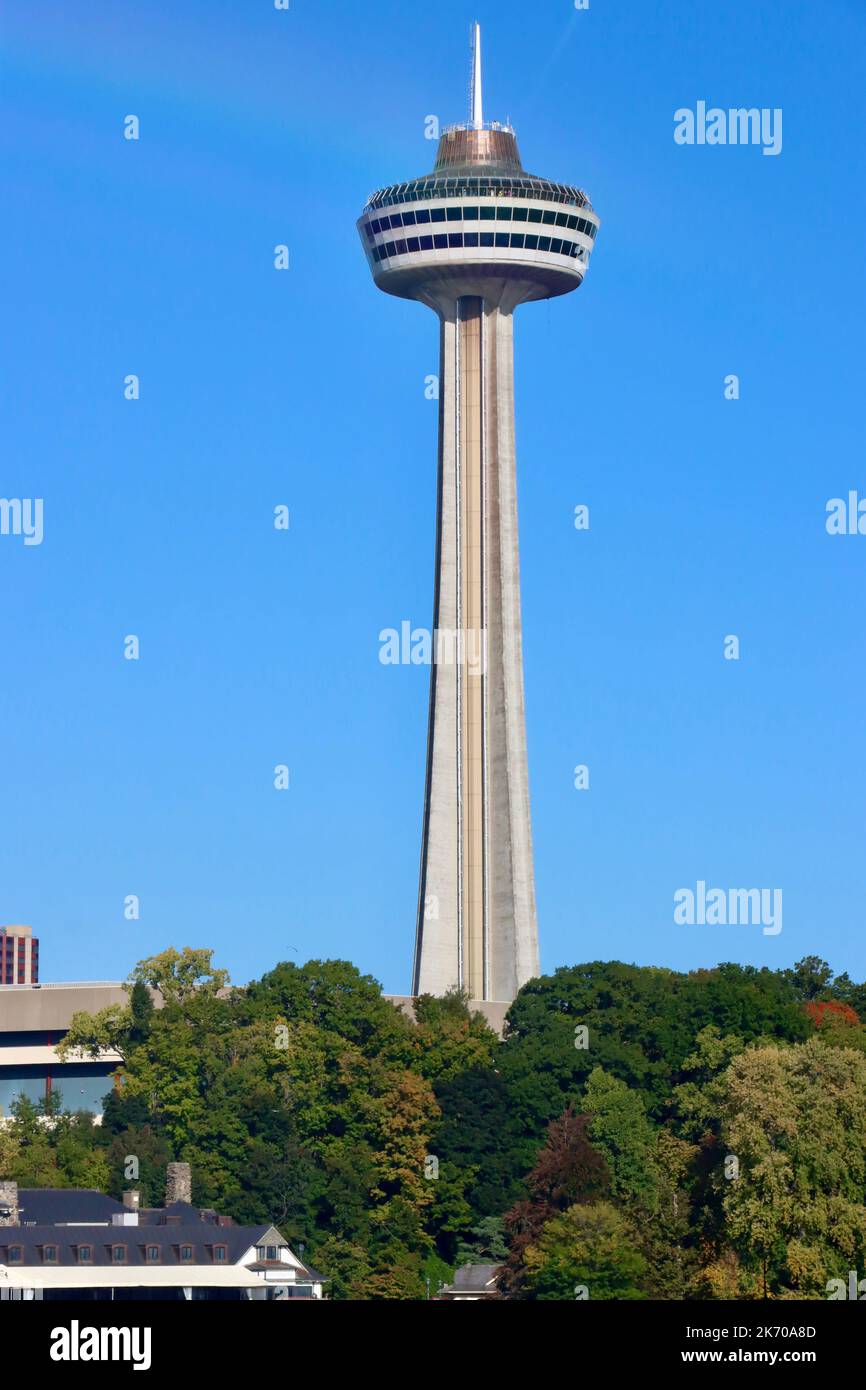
476	910
473	240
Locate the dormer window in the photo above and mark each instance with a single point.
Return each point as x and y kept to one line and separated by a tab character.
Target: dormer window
118	1254
220	1254
16	1254
186	1254
49	1254
152	1254
85	1254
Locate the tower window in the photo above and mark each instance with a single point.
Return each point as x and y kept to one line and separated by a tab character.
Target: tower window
535	214
470	214
501	238
503	214
486	238
488	214
517	240
470	239
440	241
455	238
531	243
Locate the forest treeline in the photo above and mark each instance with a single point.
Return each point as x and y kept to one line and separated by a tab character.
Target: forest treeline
639	1133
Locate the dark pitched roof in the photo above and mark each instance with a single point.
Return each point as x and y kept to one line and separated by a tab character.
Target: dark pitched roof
76	1205
168	1239
475	1276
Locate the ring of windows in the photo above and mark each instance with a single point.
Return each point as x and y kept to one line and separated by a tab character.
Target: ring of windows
462	212
449	241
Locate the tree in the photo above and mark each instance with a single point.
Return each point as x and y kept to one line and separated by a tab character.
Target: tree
486	1243
480	1136
94	1034
568	1170
588	1251
795	1118
450	1039
810	978
621	1132
141	1013
336	997
179	975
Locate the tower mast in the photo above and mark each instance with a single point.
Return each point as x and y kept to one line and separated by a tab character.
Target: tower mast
476	109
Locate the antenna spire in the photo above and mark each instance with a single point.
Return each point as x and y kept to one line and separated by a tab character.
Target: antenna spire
476	110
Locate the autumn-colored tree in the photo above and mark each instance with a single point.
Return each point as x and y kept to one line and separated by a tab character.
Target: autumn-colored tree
568	1170
823	1011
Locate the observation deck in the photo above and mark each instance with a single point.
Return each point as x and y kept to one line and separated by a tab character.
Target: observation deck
478	216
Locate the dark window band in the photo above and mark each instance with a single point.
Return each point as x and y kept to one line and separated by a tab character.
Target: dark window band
470	214
516	241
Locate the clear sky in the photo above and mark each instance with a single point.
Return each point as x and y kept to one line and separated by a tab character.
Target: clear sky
306	387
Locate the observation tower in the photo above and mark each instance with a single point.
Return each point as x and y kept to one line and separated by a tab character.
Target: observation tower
473	240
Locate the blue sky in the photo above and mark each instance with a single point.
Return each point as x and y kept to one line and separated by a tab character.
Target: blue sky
259	647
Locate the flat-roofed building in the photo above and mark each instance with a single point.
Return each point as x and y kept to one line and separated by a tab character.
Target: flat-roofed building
33	1020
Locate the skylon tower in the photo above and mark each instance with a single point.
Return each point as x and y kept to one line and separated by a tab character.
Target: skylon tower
473	240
